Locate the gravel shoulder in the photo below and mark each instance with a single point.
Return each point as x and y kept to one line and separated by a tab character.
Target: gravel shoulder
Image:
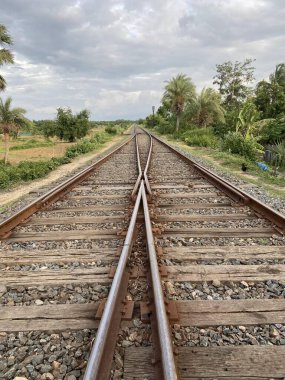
14	199
263	193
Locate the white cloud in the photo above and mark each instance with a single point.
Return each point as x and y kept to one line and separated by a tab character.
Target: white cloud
114	56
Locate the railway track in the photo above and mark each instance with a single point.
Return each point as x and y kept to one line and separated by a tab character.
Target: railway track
145	266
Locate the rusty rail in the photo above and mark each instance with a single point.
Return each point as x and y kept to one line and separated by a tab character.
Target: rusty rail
138	181
53	195
100	360
166	348
148	188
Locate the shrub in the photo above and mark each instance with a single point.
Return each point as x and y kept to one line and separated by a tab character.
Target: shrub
272	131
278	154
29	170
111	129
235	143
4	180
201	137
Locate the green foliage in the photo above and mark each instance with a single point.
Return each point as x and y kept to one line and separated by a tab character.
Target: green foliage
205	109
233	80
201	137
67	126
271	131
29	170
270	96
246	121
278	154
11	121
5	54
47	128
32	144
111	129
178	91
26	171
235	143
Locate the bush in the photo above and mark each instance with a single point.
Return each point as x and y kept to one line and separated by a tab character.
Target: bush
235	143
29	170
272	131
278	154
201	137
111	129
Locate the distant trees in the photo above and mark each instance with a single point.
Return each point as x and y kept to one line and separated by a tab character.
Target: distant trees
178	91
5	54
11	120
67	126
233	79
270	95
206	109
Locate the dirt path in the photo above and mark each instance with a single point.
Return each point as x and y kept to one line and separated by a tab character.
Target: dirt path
6	197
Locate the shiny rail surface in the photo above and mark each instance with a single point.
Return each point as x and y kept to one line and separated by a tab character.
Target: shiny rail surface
166	347
100	359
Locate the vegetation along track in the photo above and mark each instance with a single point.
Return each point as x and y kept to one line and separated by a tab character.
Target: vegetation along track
192	271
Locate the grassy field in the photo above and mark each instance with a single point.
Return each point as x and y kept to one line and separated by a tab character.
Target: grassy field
35	148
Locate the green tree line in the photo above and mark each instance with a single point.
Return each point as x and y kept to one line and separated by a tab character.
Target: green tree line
236	116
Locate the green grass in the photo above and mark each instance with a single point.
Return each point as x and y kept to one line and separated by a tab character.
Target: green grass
30	170
28	144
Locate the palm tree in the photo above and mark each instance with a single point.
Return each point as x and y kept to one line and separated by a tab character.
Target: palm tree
279	75
207	109
5	55
11	120
178	91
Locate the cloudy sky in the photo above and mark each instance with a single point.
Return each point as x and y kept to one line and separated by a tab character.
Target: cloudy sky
113	57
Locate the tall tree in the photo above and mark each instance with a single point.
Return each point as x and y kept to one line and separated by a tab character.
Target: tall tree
5	54
178	91
279	75
11	120
70	127
233	80
206	108
270	96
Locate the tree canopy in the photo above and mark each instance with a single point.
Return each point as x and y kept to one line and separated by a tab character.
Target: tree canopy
270	95
5	54
11	120
178	91
67	126
206	108
233	79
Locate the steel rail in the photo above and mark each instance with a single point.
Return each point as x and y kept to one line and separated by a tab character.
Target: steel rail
147	165
137	184
96	367
54	194
232	191
167	355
